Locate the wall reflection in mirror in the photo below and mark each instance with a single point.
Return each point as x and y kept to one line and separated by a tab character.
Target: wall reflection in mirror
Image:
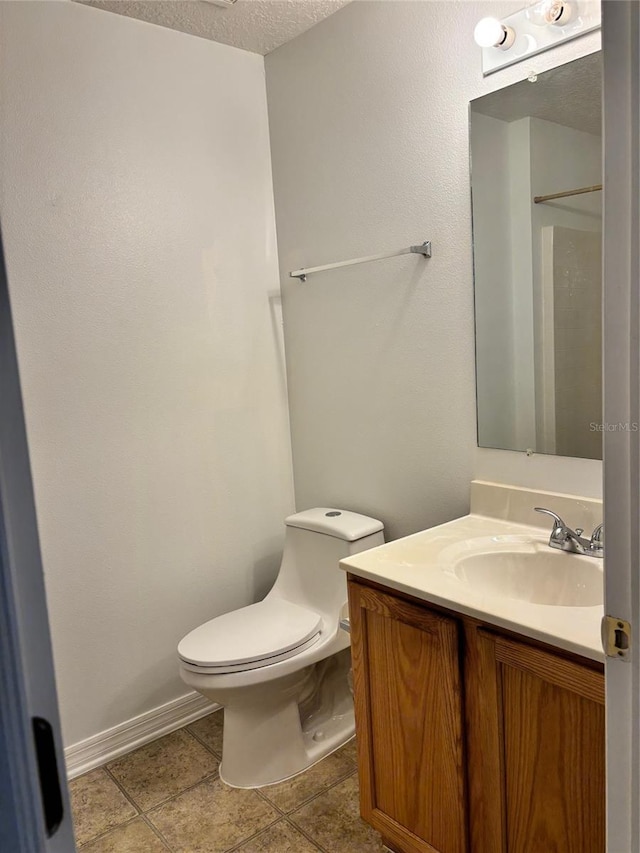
536	168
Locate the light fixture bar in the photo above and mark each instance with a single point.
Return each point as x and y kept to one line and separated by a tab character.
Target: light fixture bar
537	28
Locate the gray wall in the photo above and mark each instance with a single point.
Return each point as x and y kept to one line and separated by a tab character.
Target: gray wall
139	232
369	136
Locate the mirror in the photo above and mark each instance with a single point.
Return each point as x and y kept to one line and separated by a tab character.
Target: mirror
536	185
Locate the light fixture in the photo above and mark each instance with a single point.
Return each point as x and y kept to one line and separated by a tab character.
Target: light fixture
534	29
489	32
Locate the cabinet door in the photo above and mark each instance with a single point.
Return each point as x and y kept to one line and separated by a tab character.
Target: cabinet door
408	701
540	723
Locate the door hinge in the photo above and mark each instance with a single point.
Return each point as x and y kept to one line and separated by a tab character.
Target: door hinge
616	637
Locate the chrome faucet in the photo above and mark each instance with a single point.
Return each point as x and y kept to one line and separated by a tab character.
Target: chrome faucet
566	539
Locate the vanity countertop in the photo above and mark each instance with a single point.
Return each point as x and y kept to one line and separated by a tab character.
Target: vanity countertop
420	565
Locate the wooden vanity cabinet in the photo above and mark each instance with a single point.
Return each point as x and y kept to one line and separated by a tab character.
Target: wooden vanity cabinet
470	740
410	736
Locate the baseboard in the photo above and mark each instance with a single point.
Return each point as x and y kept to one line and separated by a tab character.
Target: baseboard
112	743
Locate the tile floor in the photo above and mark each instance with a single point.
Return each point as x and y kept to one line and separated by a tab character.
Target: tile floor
167	796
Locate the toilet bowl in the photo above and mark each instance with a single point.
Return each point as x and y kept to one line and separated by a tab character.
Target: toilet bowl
280	668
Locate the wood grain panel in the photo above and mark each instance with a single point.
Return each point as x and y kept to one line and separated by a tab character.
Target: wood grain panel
555	766
544	720
360	666
407	674
483	718
578	678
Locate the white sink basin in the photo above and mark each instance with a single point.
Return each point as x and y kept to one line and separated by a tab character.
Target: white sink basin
525	569
500	572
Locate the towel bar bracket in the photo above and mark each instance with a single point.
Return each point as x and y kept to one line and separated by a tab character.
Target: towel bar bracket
423	249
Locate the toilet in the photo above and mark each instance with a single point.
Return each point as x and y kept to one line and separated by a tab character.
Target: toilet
281	667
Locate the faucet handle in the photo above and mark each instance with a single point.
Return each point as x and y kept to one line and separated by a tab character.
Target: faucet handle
597	538
559	532
558	522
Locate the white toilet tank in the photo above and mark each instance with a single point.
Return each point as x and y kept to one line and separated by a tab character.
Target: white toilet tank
315	541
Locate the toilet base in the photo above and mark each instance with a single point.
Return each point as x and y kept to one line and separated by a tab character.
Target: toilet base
298	758
276	730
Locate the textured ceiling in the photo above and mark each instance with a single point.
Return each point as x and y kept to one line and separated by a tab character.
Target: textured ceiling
570	95
256	25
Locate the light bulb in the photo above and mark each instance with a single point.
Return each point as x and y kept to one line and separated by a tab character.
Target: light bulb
546	12
537	13
559	13
489	32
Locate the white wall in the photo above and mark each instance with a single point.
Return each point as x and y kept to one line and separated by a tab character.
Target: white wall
368	114
139	230
577	310
494	309
505	319
519	177
566	158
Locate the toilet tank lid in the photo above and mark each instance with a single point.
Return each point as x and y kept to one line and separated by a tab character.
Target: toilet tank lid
339	523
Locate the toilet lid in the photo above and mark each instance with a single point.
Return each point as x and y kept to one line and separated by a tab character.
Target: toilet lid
271	627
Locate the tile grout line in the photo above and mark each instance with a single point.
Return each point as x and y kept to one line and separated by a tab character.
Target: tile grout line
244	841
209	778
205	745
201	743
320	793
269	802
157	832
239	845
127	798
131	820
304	833
283	817
286	816
290	816
122	789
105	832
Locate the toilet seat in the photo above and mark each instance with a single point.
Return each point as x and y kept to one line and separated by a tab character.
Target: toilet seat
258	635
